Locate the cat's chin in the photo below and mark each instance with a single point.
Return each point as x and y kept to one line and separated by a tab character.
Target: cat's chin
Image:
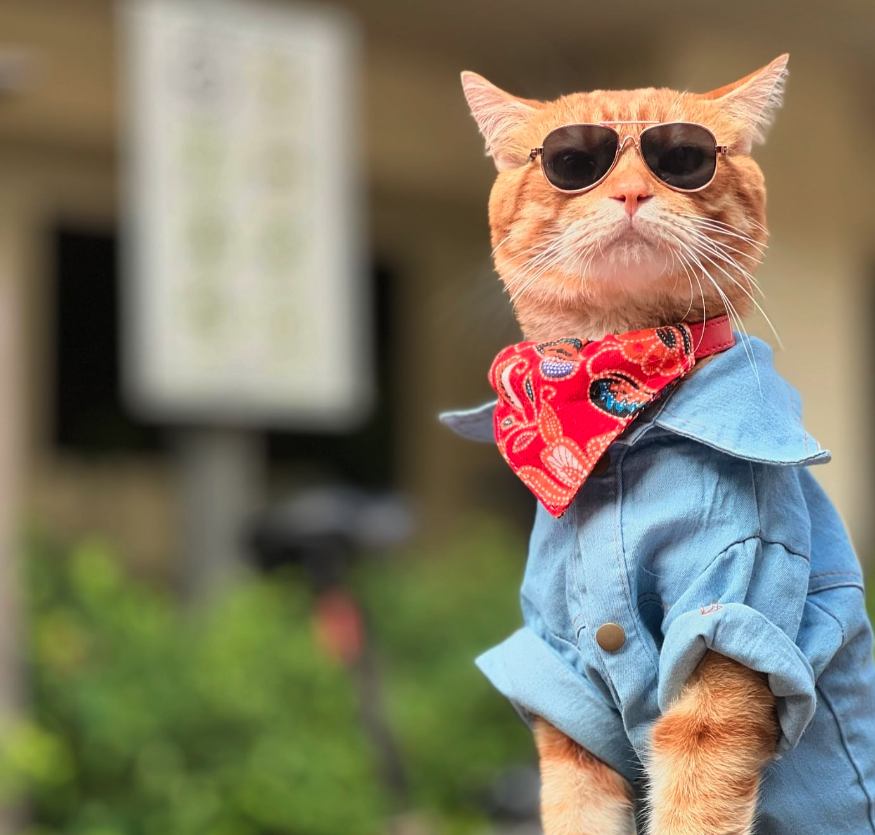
630	262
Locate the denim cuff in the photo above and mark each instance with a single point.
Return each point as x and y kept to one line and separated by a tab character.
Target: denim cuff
747	636
533	677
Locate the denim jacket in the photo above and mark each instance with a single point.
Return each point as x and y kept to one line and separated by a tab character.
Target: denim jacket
706	531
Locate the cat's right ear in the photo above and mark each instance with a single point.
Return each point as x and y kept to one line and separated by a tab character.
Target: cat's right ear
500	117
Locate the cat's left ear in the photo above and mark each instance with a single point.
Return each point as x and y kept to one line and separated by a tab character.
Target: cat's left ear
753	100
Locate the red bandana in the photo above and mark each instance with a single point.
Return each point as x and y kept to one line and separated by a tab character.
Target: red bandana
561	404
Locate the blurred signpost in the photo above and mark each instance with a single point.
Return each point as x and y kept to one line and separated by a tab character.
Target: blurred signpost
245	305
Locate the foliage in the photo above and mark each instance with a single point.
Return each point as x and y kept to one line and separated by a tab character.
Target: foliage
149	718
433	615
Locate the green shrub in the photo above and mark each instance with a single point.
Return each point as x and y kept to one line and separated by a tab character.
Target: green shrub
226	719
432	615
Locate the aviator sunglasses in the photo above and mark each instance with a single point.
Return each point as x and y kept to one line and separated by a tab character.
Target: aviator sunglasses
682	155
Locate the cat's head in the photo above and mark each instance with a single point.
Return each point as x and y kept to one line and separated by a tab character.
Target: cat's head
631	251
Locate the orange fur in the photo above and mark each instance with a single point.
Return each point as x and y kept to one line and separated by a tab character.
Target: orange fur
580	795
583	265
708	749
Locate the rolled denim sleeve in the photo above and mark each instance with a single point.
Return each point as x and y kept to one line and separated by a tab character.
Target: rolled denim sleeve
538	682
754	619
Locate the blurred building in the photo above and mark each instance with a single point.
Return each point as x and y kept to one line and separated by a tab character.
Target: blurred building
439	313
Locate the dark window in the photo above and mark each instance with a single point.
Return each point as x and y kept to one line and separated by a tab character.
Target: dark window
90	416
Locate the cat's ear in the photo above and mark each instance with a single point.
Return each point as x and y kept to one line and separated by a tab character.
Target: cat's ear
499	116
754	99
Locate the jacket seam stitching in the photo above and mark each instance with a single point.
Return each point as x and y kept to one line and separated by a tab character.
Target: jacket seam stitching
576	567
620	552
836	574
543	627
765	541
756	499
849	755
827	612
837	584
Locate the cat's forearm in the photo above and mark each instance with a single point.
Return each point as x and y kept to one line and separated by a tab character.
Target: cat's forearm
708	751
580	795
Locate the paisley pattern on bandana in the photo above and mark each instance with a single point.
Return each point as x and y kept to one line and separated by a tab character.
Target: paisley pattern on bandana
562	403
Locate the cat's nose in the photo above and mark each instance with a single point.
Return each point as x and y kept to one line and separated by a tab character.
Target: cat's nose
632	192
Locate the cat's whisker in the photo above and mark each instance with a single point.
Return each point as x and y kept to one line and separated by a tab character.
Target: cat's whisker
730	308
540	246
593	251
722	250
583	259
718	247
725	229
705	242
745	336
669	269
742	273
535	276
719	224
545	252
757	259
747	293
690	272
550	254
759	248
712	247
694	259
501	243
736	319
533	260
759	226
525	288
716	222
674	260
687	264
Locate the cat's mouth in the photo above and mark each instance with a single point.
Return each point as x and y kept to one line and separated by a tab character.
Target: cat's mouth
630	236
629	253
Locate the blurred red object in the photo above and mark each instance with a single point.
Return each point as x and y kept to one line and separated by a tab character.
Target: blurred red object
339	626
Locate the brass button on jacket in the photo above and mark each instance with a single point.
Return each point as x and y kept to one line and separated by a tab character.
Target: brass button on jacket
610	637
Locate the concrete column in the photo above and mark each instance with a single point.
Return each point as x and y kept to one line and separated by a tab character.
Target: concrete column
13	245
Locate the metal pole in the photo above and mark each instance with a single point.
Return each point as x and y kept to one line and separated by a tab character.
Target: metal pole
221	476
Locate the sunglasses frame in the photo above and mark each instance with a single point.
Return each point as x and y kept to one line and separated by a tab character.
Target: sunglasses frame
720	150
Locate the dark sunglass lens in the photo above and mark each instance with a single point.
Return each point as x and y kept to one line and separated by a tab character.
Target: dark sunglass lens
681	155
578	156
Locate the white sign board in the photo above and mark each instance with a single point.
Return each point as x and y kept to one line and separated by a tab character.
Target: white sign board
246	297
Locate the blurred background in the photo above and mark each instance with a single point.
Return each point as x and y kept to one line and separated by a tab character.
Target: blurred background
244	263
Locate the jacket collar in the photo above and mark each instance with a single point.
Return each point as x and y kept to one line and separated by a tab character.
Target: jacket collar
736	403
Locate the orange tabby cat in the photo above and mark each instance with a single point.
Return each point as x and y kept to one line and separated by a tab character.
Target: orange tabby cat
633	253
